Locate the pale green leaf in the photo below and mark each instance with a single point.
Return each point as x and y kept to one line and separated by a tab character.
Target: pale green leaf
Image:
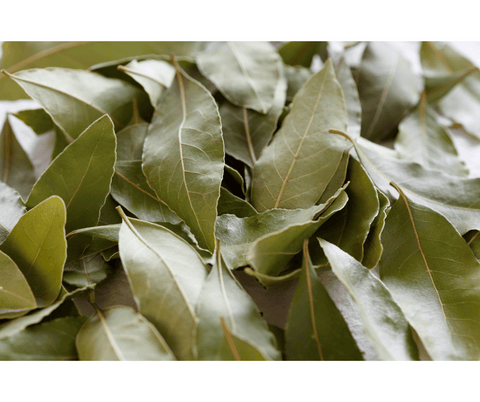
183	156
296	77
231	204
246	73
16	297
37	245
87	271
37	119
12	209
303	158
435	278
166	275
385	325
130	142
120	333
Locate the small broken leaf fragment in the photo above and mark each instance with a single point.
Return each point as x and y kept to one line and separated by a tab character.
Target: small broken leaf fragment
120	333
315	328
37	245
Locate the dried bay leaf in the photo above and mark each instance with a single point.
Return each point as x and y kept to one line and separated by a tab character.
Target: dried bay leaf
87	271
385	325
231	204
130	142
302	53
296	77
246	73
183	156
435	279
37	119
223	297
315	328
120	333
295	169
166	276
12	209
37	245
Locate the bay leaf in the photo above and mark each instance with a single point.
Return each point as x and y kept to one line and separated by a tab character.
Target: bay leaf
76	98
373	248
153	75
423	140
16	297
473	240
349	228
130	142
52	340
20	55
16	169
81	175
130	189
385	325
431	188
235	348
246	73
302	53
37	245
231	204
295	169
315	328
120	333
61	142
269	254
223	297
239	234
435	279
296	77
37	119
12	209
388	87
462	102
87	271
166	276
352	99
246	132
183	156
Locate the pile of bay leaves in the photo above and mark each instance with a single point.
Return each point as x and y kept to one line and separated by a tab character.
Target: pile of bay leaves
239	201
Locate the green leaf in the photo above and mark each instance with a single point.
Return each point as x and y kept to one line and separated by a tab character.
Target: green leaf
130	142
223	297
61	142
16	170
76	98
462	103
434	277
431	188
373	248
81	176
296	77
473	240
423	140
37	119
234	348
52	340
246	132
239	234
385	325
153	75
388	88
301	53
231	204
349	228
87	271
246	73
352	99
315	328
166	276
120	333
12	209
130	189
16	297
184	154
21	55
303	158
37	245
270	253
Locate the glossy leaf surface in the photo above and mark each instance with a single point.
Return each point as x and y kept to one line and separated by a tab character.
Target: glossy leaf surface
300	162
183	156
120	333
246	73
37	245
